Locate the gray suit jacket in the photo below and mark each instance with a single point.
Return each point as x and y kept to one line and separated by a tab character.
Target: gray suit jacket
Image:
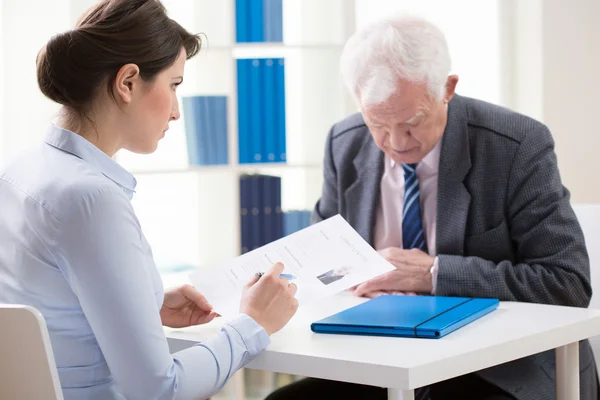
505	227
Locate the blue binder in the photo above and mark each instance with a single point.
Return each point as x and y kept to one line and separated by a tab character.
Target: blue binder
192	131
245	213
306	218
407	316
220	129
256	105
242	22
208	133
273	20
268	110
268	213
256	212
280	125
278	214
287	223
256	21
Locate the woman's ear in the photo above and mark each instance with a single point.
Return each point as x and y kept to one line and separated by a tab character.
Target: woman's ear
127	79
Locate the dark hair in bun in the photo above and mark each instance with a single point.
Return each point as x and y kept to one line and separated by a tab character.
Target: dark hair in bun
74	64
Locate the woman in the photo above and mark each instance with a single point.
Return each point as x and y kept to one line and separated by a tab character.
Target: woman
71	244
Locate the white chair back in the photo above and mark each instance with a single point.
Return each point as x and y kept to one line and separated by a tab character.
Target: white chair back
589	219
27	366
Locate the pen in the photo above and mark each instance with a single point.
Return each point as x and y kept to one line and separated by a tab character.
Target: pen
286	276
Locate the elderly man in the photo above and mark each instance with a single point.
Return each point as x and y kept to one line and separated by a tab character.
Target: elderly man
463	197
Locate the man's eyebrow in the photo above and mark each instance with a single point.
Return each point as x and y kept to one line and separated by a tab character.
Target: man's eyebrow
417	115
371	121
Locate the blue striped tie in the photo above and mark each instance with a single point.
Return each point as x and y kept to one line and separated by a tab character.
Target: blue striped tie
412	226
412	230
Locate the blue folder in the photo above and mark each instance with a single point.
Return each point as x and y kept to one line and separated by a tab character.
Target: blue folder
407	316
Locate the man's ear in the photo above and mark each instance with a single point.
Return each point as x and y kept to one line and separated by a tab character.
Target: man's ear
127	79
450	87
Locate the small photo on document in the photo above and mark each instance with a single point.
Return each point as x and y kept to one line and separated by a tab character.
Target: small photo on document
334	275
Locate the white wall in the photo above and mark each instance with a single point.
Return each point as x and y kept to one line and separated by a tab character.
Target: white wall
557	62
589	218
27	27
528	85
2	93
571	88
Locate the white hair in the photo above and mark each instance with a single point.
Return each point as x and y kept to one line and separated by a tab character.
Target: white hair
399	47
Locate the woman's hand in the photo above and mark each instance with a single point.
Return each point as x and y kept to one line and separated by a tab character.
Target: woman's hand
185	306
270	300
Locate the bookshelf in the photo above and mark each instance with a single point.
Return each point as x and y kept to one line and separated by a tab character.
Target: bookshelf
190	214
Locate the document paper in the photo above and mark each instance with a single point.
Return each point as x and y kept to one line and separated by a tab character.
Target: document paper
324	259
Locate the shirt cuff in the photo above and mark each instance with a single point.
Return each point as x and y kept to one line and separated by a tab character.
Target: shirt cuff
254	335
434	274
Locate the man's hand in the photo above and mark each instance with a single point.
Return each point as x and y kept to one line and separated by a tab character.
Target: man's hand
378	293
185	306
412	274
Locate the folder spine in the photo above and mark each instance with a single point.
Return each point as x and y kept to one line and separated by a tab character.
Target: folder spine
438	315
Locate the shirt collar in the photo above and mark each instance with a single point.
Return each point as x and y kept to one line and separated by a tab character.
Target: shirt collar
76	145
431	162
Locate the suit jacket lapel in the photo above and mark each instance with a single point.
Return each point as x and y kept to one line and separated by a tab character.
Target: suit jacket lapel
453	198
362	196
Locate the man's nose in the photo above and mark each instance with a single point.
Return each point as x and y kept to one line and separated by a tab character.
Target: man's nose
399	139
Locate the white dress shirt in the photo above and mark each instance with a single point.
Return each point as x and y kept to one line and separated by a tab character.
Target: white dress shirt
388	224
72	247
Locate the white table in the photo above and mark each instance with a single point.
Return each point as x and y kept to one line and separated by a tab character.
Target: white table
513	331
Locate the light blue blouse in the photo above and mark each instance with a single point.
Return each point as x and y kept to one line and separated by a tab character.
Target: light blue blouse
71	246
